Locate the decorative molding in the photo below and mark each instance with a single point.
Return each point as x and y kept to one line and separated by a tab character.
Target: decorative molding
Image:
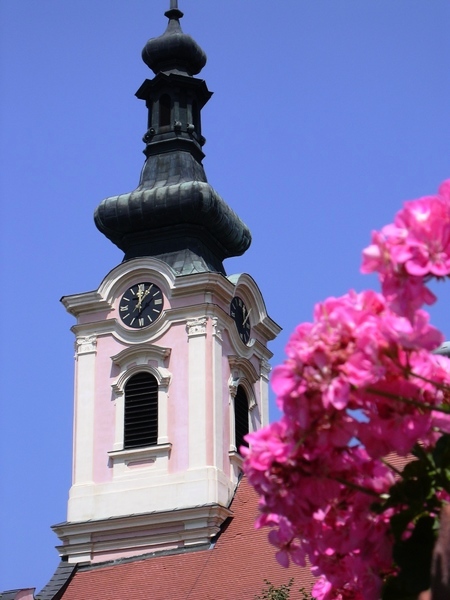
242	373
140	456
217	329
236	459
137	535
244	366
233	383
163	377
78	304
130	271
195	327
141	354
265	368
86	345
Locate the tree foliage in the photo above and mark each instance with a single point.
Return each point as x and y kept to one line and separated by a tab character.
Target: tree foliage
282	592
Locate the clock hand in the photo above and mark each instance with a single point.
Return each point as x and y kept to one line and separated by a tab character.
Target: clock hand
139	295
141	300
246	318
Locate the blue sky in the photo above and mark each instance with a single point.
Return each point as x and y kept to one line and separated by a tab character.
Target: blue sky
326	115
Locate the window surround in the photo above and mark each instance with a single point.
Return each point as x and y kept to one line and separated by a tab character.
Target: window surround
137	359
242	373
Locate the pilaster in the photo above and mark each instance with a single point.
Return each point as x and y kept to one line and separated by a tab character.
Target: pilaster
85	356
196	332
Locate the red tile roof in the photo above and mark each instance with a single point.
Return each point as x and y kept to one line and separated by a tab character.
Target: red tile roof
234	569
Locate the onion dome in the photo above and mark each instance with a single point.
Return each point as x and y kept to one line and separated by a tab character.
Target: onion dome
174	51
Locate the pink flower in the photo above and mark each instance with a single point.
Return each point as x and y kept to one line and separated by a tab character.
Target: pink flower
427	244
359	383
416	246
440	421
283	538
322	589
444	190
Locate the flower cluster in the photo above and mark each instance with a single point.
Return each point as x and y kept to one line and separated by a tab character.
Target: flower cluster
359	383
410	251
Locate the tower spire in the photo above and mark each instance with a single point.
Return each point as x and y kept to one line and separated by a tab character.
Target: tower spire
174	214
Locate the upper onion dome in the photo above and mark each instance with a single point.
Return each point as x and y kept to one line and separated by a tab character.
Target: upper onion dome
174	50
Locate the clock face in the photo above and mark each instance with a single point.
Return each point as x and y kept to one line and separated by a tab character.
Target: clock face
141	305
240	314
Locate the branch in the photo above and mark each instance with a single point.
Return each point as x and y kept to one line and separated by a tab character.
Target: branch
416	403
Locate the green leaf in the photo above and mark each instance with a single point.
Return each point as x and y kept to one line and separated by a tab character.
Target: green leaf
413	557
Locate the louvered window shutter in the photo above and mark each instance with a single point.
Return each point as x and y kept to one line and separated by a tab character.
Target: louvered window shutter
141	411
240	417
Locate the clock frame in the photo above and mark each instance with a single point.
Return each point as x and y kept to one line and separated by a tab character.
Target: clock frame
141	305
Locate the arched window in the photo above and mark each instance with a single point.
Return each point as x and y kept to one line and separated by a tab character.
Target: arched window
164	110
141	411
240	417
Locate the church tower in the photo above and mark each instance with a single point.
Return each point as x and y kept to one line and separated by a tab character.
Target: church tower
171	357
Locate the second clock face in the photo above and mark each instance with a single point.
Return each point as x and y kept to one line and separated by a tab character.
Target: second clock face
141	305
240	314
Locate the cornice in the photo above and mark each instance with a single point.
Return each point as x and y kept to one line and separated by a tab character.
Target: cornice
214	283
267	328
87	302
138	534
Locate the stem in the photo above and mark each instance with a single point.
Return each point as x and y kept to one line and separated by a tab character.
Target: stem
355	486
416	403
408	372
439	386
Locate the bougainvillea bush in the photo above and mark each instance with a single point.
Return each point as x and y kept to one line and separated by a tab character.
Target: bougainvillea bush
360	383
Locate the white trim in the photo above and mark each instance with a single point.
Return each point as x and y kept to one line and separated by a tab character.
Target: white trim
135	462
197	393
137	359
197	326
143	352
85	345
242	373
265	370
136	535
83	442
